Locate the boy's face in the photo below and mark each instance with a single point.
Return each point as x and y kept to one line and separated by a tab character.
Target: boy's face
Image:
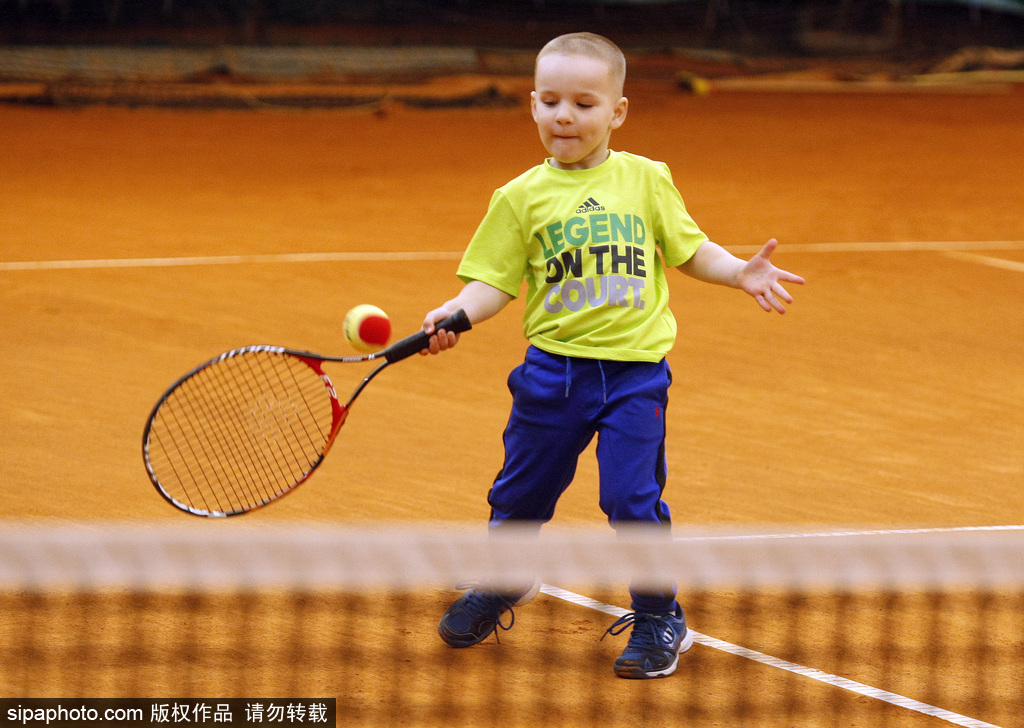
577	104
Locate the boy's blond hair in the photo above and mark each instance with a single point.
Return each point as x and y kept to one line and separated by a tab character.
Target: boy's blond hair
591	45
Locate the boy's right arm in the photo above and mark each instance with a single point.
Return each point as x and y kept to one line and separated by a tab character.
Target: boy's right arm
479	300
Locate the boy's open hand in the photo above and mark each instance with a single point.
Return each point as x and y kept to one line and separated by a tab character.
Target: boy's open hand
761	280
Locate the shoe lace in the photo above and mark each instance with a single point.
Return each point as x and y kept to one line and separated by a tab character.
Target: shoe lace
643	635
480	598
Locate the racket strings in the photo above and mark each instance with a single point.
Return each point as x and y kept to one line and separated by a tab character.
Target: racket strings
240	432
197	441
227	439
192	427
307	433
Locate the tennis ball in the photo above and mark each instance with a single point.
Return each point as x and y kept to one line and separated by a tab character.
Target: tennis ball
693	83
367	328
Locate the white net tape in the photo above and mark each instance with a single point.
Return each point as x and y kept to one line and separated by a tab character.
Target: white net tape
230	555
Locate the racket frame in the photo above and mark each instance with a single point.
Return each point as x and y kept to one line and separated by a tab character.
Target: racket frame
457	322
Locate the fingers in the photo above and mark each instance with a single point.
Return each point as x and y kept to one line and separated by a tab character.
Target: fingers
445	340
440	341
775	294
785	275
769	300
768	248
766	252
773	297
781	292
438	314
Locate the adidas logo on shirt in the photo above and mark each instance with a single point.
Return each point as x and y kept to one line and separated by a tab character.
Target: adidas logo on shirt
590	205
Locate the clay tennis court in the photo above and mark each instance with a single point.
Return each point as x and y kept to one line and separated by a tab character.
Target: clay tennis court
888	397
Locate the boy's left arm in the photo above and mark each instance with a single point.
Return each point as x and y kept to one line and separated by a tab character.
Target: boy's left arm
758	277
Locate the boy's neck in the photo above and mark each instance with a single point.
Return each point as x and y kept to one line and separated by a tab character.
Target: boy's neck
576	168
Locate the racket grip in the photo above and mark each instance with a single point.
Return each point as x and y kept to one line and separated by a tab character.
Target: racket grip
456	323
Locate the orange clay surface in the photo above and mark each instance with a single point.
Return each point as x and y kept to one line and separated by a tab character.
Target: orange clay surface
890	395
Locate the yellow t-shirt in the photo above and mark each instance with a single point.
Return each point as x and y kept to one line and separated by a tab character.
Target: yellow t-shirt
587	243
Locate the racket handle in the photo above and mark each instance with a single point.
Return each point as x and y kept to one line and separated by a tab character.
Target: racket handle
456	323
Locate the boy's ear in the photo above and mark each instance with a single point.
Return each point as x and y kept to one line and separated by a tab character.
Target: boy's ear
533	104
619	116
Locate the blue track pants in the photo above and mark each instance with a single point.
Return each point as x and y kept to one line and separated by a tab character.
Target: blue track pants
558	405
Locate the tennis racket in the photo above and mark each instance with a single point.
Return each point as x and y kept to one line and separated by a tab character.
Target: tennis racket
249	426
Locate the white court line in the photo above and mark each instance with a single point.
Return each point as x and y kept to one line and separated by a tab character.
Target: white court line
988	260
809	672
223	260
447	255
888	247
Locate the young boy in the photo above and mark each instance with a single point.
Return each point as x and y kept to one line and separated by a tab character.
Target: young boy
592	231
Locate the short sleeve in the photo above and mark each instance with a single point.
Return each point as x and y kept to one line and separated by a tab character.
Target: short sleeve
496	255
678	235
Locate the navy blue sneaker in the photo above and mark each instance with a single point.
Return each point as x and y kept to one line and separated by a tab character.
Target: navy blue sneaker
654	644
478	612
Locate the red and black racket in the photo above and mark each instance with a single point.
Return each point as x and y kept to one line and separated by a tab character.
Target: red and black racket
249	426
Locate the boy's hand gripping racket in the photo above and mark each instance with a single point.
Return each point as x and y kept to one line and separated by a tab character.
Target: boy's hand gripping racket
250	425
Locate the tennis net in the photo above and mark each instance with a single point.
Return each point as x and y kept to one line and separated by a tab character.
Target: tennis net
872	628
